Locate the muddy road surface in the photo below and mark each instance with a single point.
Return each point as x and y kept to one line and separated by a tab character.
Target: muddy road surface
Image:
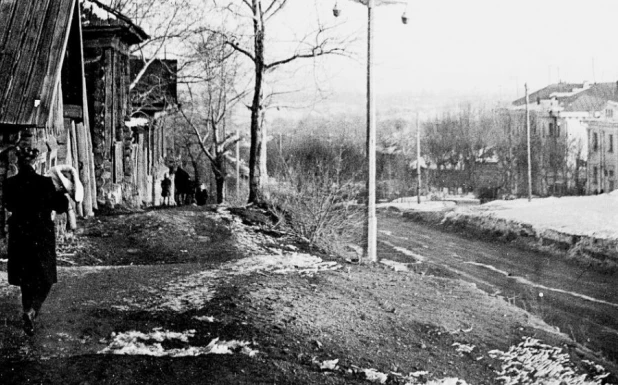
579	300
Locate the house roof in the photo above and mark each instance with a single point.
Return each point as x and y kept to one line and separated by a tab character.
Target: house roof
33	39
545	93
576	97
98	18
592	99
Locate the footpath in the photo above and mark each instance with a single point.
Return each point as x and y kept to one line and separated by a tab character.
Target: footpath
219	296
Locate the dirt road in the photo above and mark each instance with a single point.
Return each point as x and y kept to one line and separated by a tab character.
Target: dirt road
581	301
202	296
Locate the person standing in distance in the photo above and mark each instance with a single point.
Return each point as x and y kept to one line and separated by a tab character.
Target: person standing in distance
31	198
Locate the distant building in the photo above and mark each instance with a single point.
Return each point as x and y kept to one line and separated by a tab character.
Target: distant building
603	153
560	117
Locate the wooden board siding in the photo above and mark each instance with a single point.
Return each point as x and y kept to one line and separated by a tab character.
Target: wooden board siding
33	39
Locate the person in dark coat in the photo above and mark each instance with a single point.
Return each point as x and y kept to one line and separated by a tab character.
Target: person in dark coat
31	198
166	186
181	185
201	195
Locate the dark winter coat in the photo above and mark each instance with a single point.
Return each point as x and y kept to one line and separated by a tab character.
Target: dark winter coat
181	181
30	198
166	186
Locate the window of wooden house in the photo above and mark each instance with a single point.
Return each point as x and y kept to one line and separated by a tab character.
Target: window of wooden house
611	143
609	113
558	129
551	129
595	174
595	142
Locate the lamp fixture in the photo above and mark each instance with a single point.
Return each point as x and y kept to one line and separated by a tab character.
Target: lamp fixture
336	11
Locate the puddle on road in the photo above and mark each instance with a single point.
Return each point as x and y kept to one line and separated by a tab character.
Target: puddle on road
539	286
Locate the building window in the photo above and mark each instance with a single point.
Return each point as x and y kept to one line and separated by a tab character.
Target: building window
558	129
551	129
595	174
595	142
611	143
609	113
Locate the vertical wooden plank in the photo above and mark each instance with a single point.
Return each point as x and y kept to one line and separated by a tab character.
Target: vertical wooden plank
76	164
49	59
18	57
84	167
69	147
109	87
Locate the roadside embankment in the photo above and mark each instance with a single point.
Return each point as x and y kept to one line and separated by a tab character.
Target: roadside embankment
582	228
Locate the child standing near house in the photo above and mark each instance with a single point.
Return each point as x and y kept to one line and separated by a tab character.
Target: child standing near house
166	186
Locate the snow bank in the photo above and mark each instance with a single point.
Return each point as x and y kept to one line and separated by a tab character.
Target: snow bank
594	216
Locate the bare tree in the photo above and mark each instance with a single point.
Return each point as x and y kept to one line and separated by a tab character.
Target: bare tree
210	114
253	46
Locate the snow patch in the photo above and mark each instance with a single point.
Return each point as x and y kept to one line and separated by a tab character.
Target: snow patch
150	344
448	381
397	266
281	264
463	348
374	376
531	362
595	216
196	290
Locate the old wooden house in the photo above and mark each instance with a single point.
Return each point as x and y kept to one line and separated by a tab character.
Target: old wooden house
42	88
127	99
65	78
108	36
153	97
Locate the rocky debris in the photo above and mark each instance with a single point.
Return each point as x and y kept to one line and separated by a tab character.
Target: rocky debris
532	362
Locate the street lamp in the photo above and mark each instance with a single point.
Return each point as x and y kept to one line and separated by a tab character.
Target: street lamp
370	249
336	11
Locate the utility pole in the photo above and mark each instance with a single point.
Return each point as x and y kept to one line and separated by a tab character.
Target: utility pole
418	159
528	142
372	225
238	166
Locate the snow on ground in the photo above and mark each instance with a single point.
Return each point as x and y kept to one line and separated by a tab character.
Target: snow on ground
150	344
195	290
425	206
532	362
594	215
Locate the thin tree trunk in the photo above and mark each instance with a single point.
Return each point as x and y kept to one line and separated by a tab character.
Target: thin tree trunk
255	178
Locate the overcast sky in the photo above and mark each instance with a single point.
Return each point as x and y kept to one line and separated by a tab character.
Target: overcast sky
471	46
